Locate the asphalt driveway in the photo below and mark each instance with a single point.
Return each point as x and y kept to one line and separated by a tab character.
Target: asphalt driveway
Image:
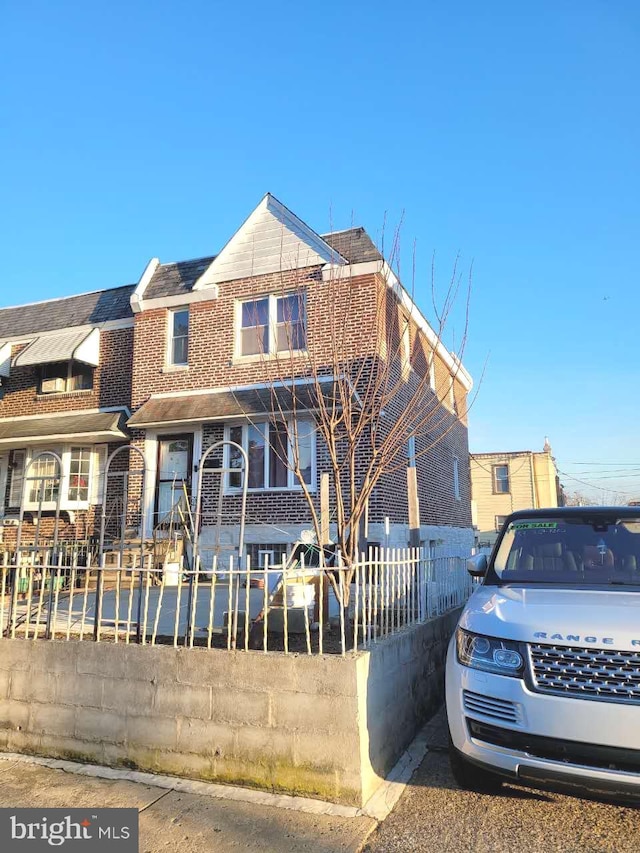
434	815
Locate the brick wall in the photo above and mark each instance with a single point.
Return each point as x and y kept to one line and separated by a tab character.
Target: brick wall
111	382
363	316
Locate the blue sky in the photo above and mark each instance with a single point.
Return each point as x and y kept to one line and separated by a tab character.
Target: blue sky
507	132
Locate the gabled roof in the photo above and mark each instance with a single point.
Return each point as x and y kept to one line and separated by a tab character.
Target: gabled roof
270	240
86	309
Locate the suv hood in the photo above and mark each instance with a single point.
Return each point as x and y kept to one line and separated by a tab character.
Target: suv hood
564	617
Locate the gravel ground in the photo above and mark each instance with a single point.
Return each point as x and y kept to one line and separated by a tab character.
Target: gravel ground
435	815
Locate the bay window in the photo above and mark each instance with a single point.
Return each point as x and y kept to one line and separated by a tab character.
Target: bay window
271	324
272	449
76	481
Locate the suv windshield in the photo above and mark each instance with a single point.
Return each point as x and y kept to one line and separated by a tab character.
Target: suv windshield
572	550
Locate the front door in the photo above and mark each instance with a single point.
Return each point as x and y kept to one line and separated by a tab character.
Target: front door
175	464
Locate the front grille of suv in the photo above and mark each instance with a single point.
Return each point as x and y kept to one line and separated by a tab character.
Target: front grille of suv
603	674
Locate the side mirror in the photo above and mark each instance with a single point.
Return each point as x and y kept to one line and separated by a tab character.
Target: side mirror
477	566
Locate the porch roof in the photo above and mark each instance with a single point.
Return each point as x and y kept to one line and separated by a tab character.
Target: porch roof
227	404
88	427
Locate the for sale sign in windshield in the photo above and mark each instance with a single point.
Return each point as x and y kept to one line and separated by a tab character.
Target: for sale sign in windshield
73	830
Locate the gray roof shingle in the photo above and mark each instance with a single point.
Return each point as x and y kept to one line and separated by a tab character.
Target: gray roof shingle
354	245
220	405
176	279
173	279
87	309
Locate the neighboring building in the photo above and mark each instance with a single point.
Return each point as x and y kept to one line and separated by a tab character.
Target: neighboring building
207	336
65	371
502	483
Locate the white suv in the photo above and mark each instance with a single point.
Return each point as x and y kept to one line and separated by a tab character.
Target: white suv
543	672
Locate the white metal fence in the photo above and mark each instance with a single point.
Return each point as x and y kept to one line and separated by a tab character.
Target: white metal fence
286	607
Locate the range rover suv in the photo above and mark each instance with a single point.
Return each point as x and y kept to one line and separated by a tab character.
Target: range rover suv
543	671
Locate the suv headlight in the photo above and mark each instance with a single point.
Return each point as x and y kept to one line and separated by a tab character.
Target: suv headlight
504	657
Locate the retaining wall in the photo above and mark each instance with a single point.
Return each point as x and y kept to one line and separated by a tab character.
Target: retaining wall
327	726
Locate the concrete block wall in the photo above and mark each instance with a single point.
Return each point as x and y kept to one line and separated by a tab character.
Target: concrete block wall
400	685
326	727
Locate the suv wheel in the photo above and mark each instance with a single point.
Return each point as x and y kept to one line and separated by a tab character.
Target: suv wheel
470	777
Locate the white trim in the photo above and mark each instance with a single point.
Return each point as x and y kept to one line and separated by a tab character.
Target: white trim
5	359
223	389
135	300
331	271
88	351
269	203
210	294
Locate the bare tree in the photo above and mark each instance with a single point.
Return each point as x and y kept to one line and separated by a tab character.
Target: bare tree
359	363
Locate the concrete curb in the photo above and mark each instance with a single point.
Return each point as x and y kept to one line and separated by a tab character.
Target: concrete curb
378	807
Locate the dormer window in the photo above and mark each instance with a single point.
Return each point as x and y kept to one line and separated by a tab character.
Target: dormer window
64	377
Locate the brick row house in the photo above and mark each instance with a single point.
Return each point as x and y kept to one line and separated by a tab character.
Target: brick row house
195	353
65	372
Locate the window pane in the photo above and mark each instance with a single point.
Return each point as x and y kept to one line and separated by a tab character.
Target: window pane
278	445
180	350
79	468
290	320
501	473
256	456
290	309
81	377
44	480
290	336
180	324
235	458
255	340
255	313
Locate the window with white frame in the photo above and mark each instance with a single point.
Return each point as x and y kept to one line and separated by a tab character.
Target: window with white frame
456	478
273	448
178	352
271	324
500	520
76	481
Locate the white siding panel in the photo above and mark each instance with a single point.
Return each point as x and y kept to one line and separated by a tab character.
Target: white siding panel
269	241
